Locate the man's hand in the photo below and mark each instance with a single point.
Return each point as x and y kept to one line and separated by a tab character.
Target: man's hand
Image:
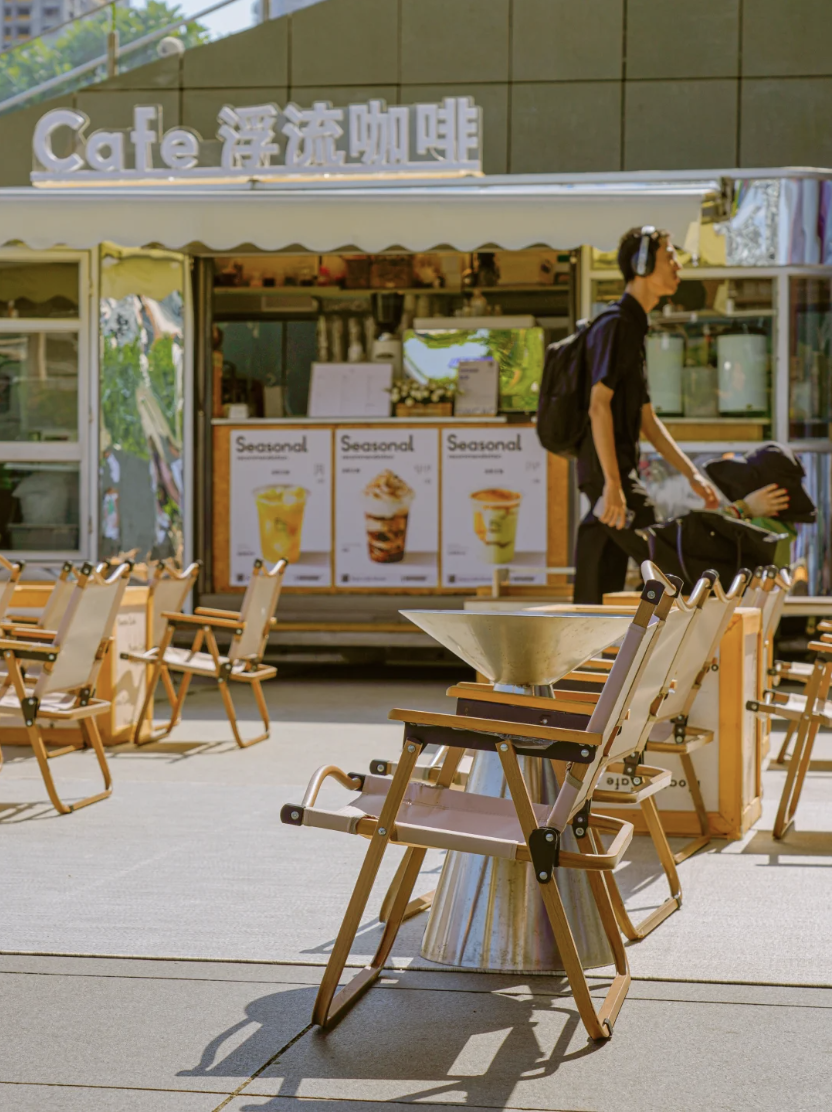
700	485
614	512
768	501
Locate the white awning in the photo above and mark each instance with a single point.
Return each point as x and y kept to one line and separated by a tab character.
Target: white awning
511	213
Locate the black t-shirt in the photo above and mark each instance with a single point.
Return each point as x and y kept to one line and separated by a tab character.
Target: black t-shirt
615	356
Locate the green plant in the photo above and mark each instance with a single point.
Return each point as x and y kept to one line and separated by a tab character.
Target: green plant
85	39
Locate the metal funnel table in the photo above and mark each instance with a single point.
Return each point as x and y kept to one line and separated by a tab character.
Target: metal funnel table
487	913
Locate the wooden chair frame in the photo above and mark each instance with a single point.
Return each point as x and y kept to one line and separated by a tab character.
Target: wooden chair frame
84	708
807	713
166	573
509	724
225	669
330	1004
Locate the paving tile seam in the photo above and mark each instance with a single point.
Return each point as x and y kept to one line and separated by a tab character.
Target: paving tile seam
265	1066
411	1104
820	985
112	1088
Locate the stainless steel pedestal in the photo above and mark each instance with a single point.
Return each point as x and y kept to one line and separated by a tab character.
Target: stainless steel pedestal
487	912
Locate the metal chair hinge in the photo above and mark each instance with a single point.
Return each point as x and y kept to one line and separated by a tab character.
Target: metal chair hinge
680	728
30	709
631	764
580	823
84	697
225	672
544	847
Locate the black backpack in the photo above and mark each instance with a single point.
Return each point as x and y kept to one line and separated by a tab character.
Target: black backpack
563	408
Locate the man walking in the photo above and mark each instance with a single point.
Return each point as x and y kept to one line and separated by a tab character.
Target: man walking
620	412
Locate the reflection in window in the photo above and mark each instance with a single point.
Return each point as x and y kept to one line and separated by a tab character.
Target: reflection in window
142	406
39	507
810	356
39	386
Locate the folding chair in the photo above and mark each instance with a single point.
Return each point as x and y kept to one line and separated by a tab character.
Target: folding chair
401	811
805	714
63	671
168	592
243	662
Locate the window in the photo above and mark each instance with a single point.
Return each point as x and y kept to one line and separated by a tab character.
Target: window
44	348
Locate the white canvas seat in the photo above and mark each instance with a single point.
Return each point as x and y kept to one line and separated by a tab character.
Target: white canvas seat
421	816
63	671
249	630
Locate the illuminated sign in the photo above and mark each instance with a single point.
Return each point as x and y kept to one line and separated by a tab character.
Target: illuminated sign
264	143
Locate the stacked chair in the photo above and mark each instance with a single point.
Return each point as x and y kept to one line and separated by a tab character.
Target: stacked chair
242	663
51	678
580	736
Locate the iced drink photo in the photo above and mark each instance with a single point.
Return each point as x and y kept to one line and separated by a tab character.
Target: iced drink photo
387	500
280	509
495	522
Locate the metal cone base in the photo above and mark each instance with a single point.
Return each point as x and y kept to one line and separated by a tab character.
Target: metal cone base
527	649
487	912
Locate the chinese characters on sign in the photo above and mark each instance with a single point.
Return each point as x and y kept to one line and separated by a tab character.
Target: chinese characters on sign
266	143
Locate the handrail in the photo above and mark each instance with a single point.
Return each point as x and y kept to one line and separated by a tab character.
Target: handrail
109	58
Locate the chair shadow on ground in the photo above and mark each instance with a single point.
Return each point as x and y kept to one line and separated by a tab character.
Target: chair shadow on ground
475	1045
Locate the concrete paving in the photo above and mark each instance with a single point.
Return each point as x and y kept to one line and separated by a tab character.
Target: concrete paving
188	860
202	1036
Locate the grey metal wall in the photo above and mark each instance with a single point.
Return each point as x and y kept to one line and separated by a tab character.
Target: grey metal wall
566	85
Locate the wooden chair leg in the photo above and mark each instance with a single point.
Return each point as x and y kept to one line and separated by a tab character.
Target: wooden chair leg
599	1024
161	670
228	703
92	738
329	1006
445	776
782	756
636	931
795	775
701	812
421	903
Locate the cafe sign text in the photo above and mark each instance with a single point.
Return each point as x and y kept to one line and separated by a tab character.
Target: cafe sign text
264	143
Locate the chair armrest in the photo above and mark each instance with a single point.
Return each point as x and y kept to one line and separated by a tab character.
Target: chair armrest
497	728
201	620
28	650
30	633
584	677
212	612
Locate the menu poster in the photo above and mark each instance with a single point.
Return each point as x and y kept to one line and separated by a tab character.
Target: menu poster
386	507
493	505
281	499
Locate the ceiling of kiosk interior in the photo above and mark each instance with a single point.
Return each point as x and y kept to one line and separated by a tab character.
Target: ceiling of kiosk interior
506	213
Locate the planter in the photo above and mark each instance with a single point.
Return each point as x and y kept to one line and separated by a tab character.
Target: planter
425	409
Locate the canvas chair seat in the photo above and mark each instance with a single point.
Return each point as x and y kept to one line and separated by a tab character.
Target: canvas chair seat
793	670
436	818
795	706
203	664
57	704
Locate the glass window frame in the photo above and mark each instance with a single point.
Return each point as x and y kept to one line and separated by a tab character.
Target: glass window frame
77	452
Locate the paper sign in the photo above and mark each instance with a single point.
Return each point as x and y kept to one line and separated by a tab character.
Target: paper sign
493	505
386	507
478	384
350	389
281	503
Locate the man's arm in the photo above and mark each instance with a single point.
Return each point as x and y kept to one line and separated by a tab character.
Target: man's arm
653	428
603	435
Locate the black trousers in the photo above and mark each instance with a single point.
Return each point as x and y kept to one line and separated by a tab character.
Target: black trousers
602	553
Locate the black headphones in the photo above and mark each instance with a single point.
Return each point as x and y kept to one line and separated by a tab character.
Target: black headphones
646	258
